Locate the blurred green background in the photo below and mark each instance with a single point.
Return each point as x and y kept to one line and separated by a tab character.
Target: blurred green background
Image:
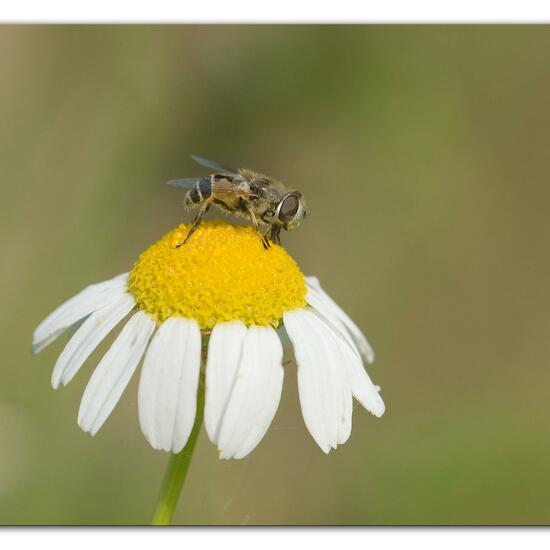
423	154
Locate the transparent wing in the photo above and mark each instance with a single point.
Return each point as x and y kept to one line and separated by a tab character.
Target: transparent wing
185	183
226	186
213	165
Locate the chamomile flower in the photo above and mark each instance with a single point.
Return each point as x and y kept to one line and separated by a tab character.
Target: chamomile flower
217	301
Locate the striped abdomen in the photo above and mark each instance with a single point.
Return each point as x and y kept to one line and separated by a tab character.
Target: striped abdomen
201	191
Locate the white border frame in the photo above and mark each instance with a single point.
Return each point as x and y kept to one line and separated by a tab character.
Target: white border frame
280	11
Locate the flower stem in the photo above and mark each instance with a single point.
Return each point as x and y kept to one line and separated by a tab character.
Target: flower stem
176	470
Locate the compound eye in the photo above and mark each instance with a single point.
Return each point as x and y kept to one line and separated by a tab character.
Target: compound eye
288	208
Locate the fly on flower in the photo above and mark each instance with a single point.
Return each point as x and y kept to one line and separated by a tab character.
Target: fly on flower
246	194
217	314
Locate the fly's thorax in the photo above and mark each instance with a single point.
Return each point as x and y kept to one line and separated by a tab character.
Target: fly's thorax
242	185
267	196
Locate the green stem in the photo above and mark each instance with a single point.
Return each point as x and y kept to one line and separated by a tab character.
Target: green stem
176	471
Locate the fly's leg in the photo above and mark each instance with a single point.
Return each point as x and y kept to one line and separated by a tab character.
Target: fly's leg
196	222
265	240
274	234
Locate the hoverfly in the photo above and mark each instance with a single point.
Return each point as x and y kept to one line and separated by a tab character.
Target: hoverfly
246	194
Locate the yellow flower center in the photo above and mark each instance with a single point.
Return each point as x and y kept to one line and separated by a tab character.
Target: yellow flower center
221	274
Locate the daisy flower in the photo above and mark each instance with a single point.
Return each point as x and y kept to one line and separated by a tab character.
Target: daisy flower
217	301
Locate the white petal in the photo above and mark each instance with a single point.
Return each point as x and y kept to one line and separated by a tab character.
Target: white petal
320	306
224	356
167	394
345	407
90	299
320	300
255	395
114	371
87	338
323	384
362	387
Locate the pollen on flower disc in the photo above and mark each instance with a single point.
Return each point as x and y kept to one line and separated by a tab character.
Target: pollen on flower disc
222	273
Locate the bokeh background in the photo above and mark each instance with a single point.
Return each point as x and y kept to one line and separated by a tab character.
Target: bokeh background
423	152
